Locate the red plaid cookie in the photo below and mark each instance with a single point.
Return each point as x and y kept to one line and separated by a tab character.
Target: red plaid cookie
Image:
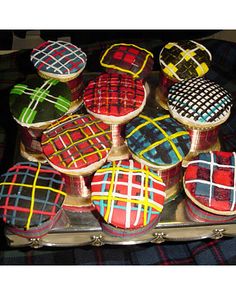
127	58
77	144
127	194
58	59
114	98
31	196
210	182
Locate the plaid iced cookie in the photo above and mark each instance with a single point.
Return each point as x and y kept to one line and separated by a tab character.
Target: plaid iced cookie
77	143
58	59
209	181
127	194
184	60
157	139
31	195
114	97
127	58
37	101
199	102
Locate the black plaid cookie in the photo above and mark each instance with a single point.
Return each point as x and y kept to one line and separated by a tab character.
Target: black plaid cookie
185	59
59	60
31	195
127	58
199	102
209	182
36	101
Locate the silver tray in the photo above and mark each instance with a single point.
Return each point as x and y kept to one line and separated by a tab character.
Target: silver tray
84	228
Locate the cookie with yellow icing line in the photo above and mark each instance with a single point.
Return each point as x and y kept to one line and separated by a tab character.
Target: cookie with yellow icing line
37	102
129	59
59	60
114	98
199	103
209	182
184	60
31	195
77	144
127	194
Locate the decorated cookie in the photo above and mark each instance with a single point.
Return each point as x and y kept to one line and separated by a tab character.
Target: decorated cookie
184	60
77	144
127	194
199	102
58	59
127	58
195	213
37	102
31	196
209	182
114	98
157	139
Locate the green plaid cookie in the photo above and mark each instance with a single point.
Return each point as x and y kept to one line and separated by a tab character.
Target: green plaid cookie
39	101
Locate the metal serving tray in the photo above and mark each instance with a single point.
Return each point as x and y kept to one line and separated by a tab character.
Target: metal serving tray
85	229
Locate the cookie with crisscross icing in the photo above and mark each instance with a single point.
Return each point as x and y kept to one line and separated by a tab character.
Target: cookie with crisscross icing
59	60
36	102
31	195
129	59
184	60
127	194
210	182
77	144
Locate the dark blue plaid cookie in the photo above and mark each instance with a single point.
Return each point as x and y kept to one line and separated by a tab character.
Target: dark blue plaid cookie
157	139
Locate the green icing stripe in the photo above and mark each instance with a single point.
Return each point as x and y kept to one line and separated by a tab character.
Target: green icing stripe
28	114
18	89
39	94
53	82
62	103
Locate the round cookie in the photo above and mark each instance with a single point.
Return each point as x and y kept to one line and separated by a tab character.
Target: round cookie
31	196
209	182
37	102
127	58
77	144
199	103
184	60
127	194
58	60
114	98
157	139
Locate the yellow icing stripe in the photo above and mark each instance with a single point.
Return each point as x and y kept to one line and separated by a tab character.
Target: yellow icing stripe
121	69
146	123
104	198
33	197
110	192
145	205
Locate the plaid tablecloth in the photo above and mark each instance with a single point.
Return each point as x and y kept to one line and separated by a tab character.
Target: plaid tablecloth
14	67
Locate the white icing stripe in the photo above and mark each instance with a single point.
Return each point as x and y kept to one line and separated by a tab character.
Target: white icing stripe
129	196
211	177
203	47
113	201
138	214
61	45
63	143
206	162
174	73
233	203
208	182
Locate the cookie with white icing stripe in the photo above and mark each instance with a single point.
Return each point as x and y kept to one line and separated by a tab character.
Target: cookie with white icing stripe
37	102
127	194
59	60
209	182
199	103
31	196
129	59
184	60
77	144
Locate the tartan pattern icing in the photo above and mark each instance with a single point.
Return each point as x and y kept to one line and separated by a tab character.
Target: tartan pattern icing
211	180
30	194
127	58
127	194
184	60
39	100
114	95
58	57
157	138
200	99
76	141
